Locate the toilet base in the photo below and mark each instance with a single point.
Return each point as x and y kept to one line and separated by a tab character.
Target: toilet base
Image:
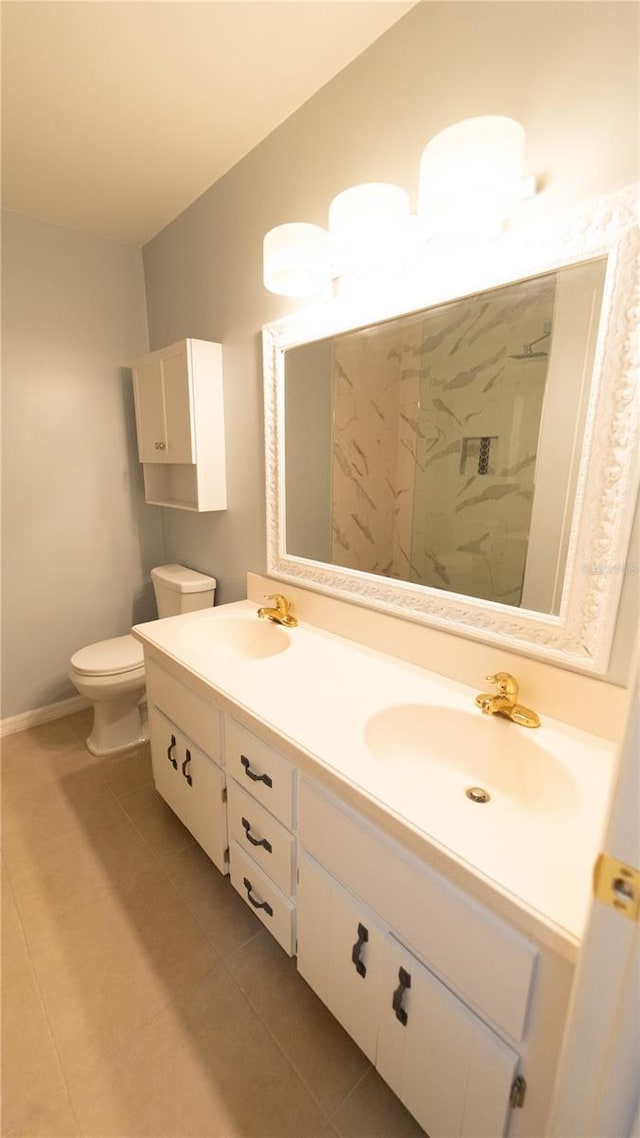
116	729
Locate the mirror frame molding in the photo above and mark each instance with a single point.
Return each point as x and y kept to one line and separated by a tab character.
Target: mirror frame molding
581	634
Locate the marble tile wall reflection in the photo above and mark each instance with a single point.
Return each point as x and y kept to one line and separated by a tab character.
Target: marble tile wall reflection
435	436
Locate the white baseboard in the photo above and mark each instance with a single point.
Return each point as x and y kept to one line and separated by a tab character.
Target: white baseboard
42	715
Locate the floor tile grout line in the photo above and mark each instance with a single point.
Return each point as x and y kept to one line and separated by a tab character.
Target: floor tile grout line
101	891
36	980
279	1046
353	1090
327	1115
113	1051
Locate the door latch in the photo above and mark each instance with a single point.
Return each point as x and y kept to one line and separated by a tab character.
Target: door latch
617	885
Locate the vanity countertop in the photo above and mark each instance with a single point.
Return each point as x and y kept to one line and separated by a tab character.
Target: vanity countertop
403	744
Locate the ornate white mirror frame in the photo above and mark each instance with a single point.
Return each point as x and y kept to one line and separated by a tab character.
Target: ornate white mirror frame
581	633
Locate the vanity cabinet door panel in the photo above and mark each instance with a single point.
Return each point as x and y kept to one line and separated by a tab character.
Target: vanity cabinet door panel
191	784
178	406
314	915
204	796
340	953
449	1069
167	747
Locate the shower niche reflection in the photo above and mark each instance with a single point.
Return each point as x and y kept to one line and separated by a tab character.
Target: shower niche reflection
442	448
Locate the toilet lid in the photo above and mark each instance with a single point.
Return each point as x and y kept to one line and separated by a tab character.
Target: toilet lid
122	654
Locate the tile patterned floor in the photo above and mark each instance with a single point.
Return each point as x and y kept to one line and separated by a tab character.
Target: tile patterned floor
140	996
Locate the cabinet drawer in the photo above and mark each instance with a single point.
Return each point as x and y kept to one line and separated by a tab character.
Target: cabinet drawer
261	771
275	910
262	837
197	717
437	919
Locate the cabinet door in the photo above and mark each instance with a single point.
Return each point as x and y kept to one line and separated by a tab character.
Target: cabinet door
340	953
150	426
191	784
178	406
204	803
449	1069
167	745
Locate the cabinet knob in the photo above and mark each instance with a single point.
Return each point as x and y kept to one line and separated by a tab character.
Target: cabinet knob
246	825
405	982
160	446
265	778
257	904
184	768
363	937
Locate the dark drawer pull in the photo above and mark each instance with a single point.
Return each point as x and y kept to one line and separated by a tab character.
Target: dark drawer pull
363	936
172	744
257	904
254	777
184	768
256	841
396	1003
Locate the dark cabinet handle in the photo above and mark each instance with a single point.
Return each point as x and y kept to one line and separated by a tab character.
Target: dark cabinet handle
254	777
256	841
257	904
184	768
363	936
396	1003
172	744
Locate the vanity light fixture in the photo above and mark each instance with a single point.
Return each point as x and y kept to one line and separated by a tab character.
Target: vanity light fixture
471	176
296	260
368	228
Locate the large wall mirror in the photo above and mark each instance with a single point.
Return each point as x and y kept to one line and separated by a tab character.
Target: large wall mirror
466	456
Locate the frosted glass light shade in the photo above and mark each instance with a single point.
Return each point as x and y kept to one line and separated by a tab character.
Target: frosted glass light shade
368	227
470	175
296	260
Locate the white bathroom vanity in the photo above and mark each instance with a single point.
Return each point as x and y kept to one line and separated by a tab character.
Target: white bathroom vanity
329	780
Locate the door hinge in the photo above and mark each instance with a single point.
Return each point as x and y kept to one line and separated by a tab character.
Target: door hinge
225	855
518	1091
224	794
618	885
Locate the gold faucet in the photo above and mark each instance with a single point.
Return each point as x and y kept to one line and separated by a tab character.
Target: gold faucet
280	614
505	701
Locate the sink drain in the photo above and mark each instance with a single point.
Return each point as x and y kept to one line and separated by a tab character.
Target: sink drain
478	794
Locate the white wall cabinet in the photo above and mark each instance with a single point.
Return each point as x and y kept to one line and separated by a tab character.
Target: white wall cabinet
179	406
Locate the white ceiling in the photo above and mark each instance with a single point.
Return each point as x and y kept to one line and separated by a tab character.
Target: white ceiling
117	115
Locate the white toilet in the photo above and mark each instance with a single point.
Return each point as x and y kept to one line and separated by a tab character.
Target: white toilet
111	672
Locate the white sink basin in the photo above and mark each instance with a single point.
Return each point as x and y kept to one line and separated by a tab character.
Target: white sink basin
235	638
453	750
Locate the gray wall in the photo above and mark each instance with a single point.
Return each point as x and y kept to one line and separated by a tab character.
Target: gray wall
77	539
567	71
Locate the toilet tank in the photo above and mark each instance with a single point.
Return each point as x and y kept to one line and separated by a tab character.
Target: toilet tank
178	589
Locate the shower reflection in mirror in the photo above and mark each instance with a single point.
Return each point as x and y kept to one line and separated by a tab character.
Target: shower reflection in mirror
442	447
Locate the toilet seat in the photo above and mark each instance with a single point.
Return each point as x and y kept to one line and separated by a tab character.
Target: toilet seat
109	657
